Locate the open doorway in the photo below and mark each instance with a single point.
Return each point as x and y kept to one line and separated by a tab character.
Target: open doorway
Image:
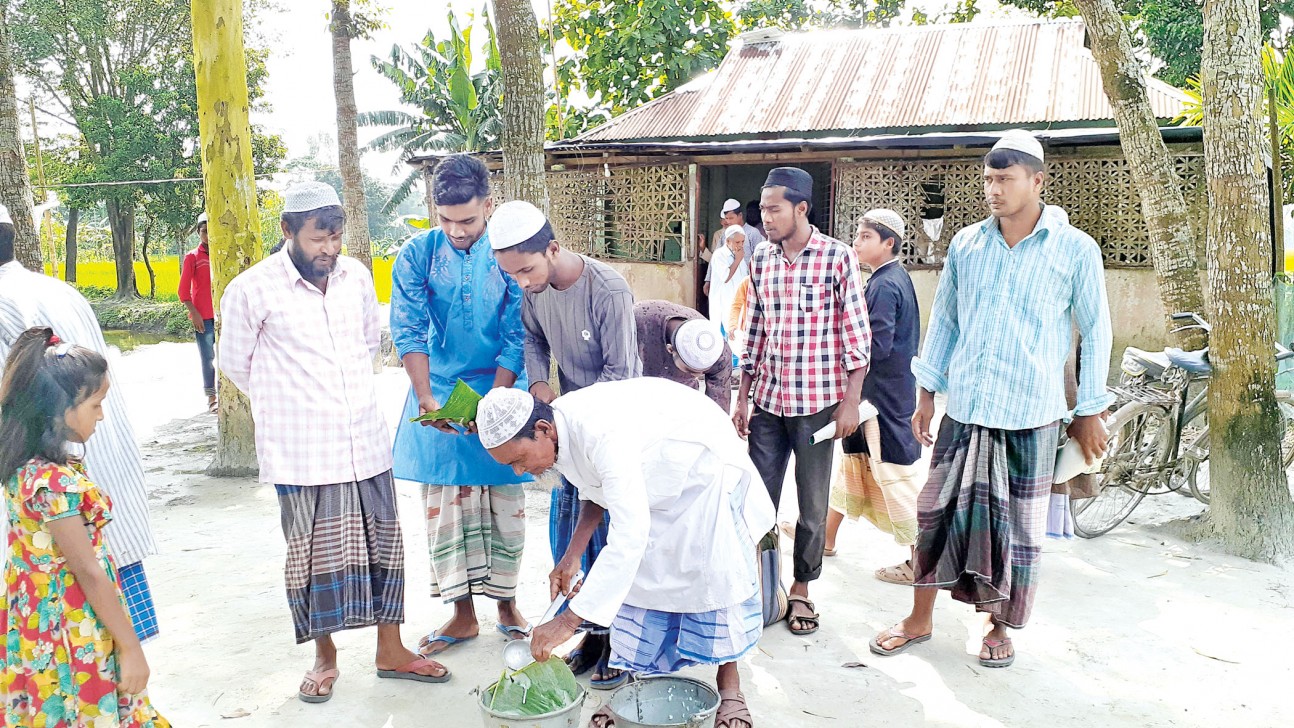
743	182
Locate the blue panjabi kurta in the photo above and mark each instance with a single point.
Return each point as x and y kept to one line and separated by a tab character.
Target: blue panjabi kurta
461	310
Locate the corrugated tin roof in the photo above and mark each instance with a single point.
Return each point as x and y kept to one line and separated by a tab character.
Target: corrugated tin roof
928	78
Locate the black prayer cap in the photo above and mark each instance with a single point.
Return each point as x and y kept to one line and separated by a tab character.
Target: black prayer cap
792	178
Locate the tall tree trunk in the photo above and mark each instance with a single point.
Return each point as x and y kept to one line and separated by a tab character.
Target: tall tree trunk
148	265
358	244
121	220
233	228
523	102
1172	246
69	262
1251	511
15	185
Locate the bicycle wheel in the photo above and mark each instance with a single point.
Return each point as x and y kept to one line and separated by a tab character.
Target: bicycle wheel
1195	446
1134	460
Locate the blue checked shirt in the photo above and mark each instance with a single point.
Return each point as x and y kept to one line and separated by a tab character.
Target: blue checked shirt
1000	328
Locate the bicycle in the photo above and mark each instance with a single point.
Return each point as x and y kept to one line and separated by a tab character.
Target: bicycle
1159	435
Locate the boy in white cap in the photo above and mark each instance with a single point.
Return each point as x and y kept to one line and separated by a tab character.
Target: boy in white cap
679	344
195	294
728	268
677	581
300	331
578	311
882	486
998	338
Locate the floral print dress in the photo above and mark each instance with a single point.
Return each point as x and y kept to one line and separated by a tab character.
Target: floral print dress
60	667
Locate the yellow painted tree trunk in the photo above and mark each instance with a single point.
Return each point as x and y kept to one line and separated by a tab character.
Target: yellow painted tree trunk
234	230
1250	507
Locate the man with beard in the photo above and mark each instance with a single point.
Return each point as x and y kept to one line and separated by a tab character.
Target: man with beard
807	351
578	311
300	331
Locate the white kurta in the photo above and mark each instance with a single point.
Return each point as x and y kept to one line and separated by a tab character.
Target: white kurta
112	457
723	292
687	505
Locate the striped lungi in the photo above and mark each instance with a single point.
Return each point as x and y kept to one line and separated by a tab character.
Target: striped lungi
345	562
886	495
982	516
563	515
651	642
475	536
139	600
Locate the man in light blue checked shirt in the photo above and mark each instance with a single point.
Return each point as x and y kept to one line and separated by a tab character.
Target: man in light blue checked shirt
998	339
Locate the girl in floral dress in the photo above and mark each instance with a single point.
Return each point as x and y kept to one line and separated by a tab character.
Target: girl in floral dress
70	655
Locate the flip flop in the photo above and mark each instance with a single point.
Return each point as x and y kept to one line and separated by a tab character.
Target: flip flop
602	718
507	631
828	552
578	663
802	618
319	678
993	644
614	682
877	649
408	672
433	638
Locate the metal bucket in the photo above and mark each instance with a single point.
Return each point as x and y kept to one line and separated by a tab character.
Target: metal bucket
568	717
664	702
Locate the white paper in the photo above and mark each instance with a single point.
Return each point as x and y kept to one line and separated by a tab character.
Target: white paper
866	411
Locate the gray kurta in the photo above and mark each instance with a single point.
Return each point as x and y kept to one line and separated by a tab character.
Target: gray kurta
588	328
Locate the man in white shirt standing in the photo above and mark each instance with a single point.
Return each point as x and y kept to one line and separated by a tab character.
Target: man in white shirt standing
677	580
300	331
728	268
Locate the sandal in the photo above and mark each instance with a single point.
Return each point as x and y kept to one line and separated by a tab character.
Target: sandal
410	672
732	707
891	633
603	718
897	574
992	644
424	646
828	552
803	619
513	633
320	679
608	683
581	660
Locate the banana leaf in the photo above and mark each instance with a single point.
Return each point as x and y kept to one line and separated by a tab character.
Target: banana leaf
460	407
538	688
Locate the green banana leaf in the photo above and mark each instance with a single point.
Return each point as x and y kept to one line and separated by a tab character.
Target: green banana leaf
538	688
460	407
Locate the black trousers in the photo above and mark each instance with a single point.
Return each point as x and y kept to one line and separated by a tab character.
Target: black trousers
772	440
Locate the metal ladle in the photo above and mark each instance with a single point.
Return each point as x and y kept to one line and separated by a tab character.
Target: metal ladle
516	654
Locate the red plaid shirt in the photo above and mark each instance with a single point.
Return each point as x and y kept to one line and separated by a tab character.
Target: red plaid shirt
808	326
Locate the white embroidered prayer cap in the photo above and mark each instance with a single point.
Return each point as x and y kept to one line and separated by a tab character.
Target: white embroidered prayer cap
732	230
4	216
888	218
729	205
699	344
307	196
1021	141
201	219
514	223
501	414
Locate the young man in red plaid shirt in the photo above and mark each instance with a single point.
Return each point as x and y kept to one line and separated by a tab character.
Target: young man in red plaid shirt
808	346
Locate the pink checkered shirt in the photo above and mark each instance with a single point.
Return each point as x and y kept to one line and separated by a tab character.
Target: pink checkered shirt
306	361
808	326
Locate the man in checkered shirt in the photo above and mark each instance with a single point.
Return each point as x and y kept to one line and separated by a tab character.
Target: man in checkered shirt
808	346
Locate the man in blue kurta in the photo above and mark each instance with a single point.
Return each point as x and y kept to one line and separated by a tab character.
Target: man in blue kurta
456	315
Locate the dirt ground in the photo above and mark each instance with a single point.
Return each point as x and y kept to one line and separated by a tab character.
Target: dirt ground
1133	629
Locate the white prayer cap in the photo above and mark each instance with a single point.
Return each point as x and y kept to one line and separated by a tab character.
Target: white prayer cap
1021	141
4	216
501	414
514	223
729	205
888	218
201	219
732	230
698	343
307	196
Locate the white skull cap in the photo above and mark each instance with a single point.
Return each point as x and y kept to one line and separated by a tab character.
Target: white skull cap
307	196
201	219
501	414
514	223
4	216
889	219
729	205
732	230
1021	141
698	343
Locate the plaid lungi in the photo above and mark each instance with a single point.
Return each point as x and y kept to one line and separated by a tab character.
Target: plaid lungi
889	502
345	564
475	535
982	516
139	600
651	642
563	515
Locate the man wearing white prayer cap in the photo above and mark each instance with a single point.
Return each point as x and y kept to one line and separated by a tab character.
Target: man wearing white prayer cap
679	344
677	580
728	268
1013	288
578	311
299	335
